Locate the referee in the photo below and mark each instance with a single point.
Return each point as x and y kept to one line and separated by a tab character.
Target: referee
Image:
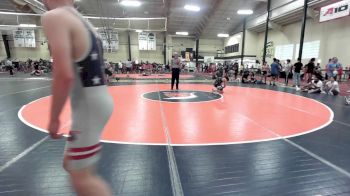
175	65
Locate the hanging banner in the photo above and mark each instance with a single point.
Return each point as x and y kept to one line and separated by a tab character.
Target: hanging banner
335	10
209	59
110	40
29	38
143	41
104	39
152	41
147	41
18	38
114	41
187	57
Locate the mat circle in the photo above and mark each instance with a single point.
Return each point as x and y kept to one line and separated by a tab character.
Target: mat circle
241	115
188	96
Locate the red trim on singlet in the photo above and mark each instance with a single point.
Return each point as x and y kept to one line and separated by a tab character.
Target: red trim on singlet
85	156
84	149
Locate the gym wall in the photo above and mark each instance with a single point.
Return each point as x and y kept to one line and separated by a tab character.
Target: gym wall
233	40
122	54
208	47
147	55
279	3
333	35
40	51
251	39
179	44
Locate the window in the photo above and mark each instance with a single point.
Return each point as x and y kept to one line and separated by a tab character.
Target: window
310	50
284	52
232	49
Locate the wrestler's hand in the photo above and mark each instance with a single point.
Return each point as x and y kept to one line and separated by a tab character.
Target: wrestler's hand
54	126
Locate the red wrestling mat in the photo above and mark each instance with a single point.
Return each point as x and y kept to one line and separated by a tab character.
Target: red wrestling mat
194	116
153	76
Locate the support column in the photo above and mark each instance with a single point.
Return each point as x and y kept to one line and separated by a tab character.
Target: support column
129	45
243	40
7	47
197	51
164	50
302	34
267	29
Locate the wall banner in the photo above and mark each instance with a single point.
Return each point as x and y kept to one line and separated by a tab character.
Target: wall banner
147	41
209	59
152	41
143	41
335	10
29	38
18	38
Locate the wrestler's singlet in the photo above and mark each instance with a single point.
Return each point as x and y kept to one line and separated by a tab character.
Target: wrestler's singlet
91	103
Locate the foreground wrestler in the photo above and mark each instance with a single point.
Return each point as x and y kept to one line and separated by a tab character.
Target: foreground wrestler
79	74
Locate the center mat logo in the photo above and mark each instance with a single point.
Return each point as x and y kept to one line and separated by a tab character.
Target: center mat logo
182	96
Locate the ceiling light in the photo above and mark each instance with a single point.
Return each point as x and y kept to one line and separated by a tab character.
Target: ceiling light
181	33
223	35
245	12
131	3
193	8
139	31
27	25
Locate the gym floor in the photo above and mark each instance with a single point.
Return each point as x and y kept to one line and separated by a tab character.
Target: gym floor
251	140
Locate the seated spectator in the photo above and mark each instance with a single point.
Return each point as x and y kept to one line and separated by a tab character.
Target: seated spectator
331	87
245	76
37	71
252	78
314	86
231	74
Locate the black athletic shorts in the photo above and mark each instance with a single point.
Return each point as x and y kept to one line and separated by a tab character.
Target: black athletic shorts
107	72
